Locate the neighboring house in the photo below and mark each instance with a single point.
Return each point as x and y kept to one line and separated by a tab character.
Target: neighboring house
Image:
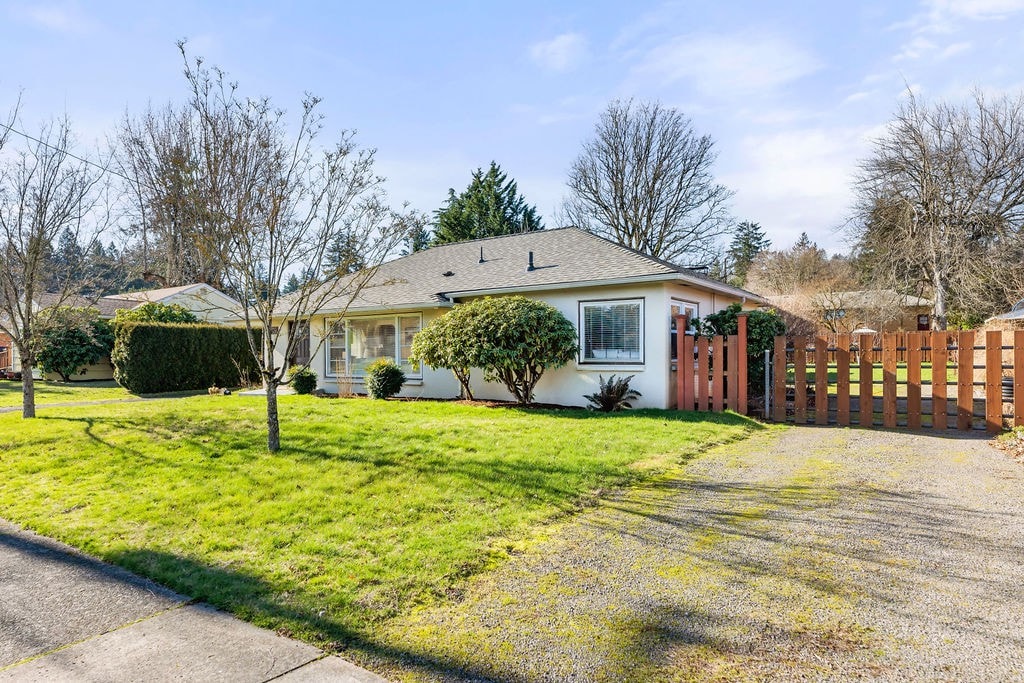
206	302
621	302
882	310
1011	320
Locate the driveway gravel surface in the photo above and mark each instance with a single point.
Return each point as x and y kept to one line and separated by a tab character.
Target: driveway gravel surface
804	553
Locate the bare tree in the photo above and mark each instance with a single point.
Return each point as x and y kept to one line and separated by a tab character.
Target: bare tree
276	203
45	190
158	158
645	182
941	202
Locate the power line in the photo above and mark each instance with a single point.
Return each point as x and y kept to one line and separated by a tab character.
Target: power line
64	151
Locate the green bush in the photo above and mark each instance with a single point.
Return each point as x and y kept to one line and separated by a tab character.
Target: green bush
156	357
151	312
512	338
303	379
71	339
450	342
762	328
384	378
519	339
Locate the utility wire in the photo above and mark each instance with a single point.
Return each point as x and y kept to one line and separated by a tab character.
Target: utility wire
64	151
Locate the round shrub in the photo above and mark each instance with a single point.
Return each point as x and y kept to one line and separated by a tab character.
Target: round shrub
303	379
384	378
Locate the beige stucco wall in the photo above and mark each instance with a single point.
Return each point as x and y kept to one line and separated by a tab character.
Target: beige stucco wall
566	385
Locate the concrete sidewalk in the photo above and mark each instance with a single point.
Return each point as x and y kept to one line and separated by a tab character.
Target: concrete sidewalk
66	616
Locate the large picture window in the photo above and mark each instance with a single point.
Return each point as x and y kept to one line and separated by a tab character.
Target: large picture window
354	343
612	332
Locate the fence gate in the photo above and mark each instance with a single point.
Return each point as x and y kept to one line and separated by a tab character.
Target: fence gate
711	373
917	380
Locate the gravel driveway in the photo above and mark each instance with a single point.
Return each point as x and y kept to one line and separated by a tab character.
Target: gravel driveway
800	554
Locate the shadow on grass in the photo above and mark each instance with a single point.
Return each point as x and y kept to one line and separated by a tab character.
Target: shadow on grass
257	601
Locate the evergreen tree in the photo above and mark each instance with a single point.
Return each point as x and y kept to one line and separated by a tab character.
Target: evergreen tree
292	285
747	242
344	255
490	206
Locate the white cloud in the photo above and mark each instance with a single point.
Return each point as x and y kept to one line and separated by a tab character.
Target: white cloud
798	180
948	16
955	49
562	53
728	64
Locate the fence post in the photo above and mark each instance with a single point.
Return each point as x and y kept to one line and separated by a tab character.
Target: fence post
800	380
993	381
843	380
965	380
682	324
741	361
1018	378
820	380
940	368
866	391
779	400
913	344
702	373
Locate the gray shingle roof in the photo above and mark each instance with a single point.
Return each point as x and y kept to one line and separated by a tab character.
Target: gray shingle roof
562	257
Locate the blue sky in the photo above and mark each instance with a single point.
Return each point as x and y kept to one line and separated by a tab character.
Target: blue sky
792	92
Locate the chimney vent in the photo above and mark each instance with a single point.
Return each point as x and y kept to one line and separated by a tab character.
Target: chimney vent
530	267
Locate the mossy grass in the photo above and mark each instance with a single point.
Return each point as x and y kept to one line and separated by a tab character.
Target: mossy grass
370	509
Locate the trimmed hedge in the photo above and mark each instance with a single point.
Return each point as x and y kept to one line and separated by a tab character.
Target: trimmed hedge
151	358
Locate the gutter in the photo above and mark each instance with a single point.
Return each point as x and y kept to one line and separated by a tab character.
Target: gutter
636	279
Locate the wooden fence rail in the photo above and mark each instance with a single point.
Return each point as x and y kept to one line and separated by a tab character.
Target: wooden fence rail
901	380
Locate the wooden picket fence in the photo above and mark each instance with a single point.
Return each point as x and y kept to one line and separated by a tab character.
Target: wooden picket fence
711	372
946	380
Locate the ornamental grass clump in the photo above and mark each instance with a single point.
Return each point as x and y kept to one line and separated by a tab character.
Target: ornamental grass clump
384	378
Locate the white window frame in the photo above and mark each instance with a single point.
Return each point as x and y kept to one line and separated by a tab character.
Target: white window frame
683	305
395	318
582	327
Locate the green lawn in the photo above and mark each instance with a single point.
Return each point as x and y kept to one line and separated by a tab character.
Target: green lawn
61	392
371	509
877	376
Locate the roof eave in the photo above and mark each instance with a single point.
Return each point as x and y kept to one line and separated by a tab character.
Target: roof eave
634	279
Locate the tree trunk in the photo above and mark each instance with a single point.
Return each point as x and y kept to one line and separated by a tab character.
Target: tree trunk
273	424
28	389
939	309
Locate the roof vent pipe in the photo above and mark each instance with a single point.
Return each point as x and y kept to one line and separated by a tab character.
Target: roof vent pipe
530	267
481	255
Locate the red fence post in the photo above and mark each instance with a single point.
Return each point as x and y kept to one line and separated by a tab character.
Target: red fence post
779	385
866	390
993	381
702	373
741	362
843	380
913	343
940	368
965	381
820	381
1018	378
682	322
800	379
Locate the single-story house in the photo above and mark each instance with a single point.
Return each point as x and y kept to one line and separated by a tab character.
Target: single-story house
882	310
206	302
622	303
